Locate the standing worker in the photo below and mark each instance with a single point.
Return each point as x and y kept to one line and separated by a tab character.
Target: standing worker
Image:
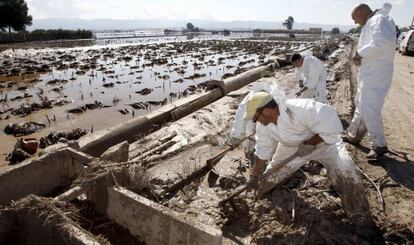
311	75
375	55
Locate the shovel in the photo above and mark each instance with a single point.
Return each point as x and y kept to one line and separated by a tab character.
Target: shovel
264	176
213	174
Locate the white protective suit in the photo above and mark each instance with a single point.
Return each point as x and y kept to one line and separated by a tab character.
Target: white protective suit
377	48
313	74
298	121
241	128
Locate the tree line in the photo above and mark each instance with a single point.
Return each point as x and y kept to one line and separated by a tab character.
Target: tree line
46	35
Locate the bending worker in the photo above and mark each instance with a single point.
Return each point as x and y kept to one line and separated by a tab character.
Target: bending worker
375	55
311	75
312	129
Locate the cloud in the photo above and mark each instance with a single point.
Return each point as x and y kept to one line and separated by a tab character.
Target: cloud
316	11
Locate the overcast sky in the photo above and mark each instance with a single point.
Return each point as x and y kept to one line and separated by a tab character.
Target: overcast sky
312	11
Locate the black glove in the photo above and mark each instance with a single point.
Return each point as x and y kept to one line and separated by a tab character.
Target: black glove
234	142
301	85
252	182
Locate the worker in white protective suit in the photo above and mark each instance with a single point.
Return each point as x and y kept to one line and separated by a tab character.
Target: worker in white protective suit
311	76
375	55
311	128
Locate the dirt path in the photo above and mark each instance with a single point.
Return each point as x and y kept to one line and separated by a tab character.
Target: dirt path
398	111
392	174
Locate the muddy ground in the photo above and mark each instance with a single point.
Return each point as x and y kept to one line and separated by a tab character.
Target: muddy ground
305	210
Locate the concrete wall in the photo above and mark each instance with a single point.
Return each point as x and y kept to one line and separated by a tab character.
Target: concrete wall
36	221
155	224
41	228
40	176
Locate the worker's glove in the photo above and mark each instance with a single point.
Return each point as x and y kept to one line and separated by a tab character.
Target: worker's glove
234	142
305	149
252	182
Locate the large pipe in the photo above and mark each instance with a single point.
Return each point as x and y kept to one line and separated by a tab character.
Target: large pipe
133	129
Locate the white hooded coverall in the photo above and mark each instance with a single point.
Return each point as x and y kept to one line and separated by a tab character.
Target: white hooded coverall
313	74
298	121
243	128
377	48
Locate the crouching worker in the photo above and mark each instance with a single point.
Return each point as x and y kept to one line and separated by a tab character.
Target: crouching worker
311	129
311	75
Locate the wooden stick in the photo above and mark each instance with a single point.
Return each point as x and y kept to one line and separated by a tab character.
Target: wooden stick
72	193
380	197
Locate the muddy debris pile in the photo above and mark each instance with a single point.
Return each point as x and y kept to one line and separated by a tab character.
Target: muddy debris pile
23	128
61	137
23	149
26	109
88	106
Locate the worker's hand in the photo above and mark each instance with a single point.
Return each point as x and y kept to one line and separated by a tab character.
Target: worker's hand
234	142
305	149
357	59
301	85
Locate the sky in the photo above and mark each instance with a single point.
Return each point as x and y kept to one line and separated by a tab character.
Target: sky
310	11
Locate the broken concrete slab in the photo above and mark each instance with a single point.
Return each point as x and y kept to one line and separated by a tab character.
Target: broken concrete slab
156	224
117	153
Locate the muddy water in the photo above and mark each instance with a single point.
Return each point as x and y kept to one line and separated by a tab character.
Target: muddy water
112	75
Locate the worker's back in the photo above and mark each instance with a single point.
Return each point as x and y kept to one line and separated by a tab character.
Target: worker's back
377	40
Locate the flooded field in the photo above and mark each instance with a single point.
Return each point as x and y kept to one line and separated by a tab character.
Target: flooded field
92	88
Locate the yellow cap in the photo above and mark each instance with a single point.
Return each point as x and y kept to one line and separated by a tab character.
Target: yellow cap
255	102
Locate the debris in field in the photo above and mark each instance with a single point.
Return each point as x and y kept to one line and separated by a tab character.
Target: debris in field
144	91
23	128
56	137
89	106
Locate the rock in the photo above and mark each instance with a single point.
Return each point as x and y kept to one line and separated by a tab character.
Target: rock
52	148
117	153
18	155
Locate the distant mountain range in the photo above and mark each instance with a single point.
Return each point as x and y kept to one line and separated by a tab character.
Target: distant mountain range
113	24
